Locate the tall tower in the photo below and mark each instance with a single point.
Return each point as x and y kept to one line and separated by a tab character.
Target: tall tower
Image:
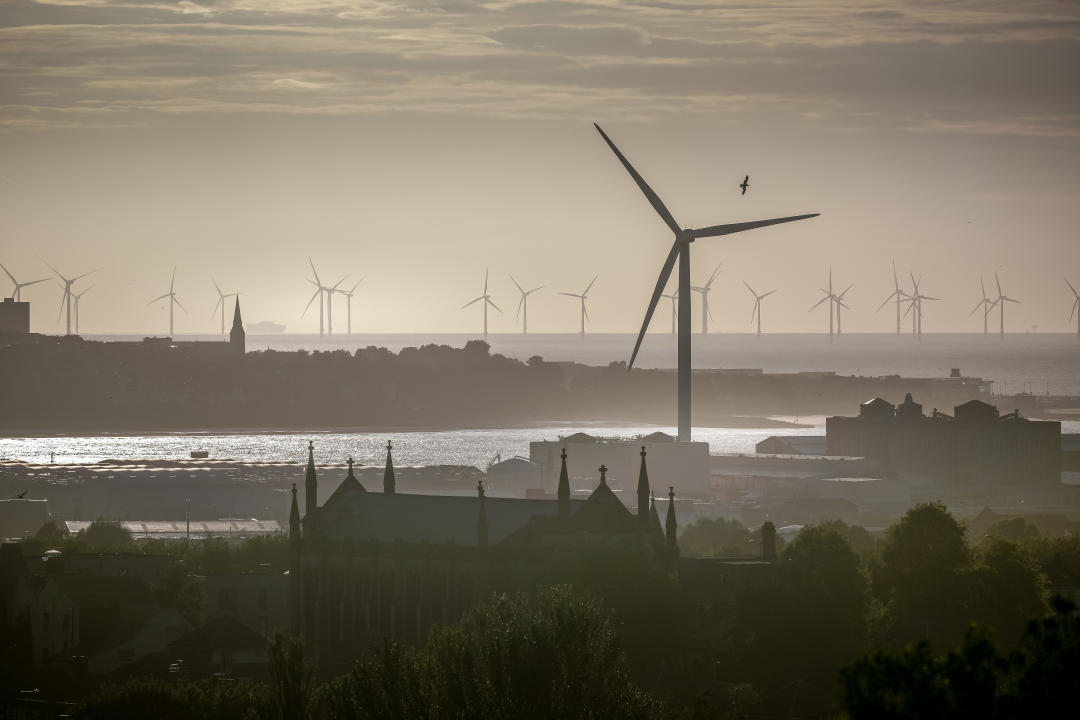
237	336
389	482
672	525
294	565
311	486
564	489
643	492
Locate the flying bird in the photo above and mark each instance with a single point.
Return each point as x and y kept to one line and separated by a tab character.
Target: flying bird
21	495
745	184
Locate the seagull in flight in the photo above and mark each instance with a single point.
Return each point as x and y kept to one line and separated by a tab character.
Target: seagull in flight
745	184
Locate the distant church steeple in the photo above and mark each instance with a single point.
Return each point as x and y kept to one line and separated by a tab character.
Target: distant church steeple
237	336
481	521
643	492
389	483
294	565
564	489
311	483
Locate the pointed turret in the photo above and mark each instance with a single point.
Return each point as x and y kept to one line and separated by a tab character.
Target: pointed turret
311	484
388	482
564	489
481	521
237	336
294	565
672	525
643	492
768	541
654	518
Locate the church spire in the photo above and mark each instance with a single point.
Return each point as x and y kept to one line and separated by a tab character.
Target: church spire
672	525
237	335
311	484
294	565
643	492
481	521
564	489
654	517
388	481
294	523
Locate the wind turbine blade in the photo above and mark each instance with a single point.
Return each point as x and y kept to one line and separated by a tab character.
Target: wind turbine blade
33	282
754	311
520	290
317	280
538	287
709	308
1072	312
1009	299
717	230
846	290
713	276
339	283
828	296
1066	282
492	303
885	301
585	310
574	295
15	282
766	295
171	282
486	271
908	311
217	305
179	304
356	286
651	196
998	283
978	305
160	297
589	286
749	288
520	303
983	286
661	283
927	297
215	285
53	269
895	280
62	299
317	291
472	301
844	305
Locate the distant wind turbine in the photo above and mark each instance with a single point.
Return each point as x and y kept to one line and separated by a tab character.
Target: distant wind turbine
348	303
987	305
757	305
523	304
172	300
486	301
704	290
680	250
1001	299
1075	308
65	301
221	303
16	294
897	294
915	300
582	296
833	299
78	297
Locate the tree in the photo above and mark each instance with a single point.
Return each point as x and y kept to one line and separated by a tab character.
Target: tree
1008	590
106	536
711	537
179	589
924	577
140	698
290	691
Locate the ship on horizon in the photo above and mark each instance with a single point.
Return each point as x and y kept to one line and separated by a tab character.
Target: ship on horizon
265	327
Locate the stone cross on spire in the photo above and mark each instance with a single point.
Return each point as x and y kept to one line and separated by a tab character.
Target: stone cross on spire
603	474
564	489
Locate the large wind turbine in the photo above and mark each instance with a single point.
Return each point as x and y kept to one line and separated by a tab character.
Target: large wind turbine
65	301
523	305
320	291
221	303
486	301
680	250
1075	307
1001	300
582	296
172	300
987	305
674	298
897	294
16	294
706	313
78	297
757	305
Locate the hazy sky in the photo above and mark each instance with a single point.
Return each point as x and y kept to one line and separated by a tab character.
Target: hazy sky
416	143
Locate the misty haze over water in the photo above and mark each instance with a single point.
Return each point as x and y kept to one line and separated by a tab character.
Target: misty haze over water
1024	362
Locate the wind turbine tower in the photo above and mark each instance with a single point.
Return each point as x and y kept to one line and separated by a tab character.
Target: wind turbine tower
523	305
830	297
172	300
221	303
582	296
757	305
705	289
348	304
78	297
674	298
486	301
1001	299
680	250
16	294
65	301
897	294
915	300
987	305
